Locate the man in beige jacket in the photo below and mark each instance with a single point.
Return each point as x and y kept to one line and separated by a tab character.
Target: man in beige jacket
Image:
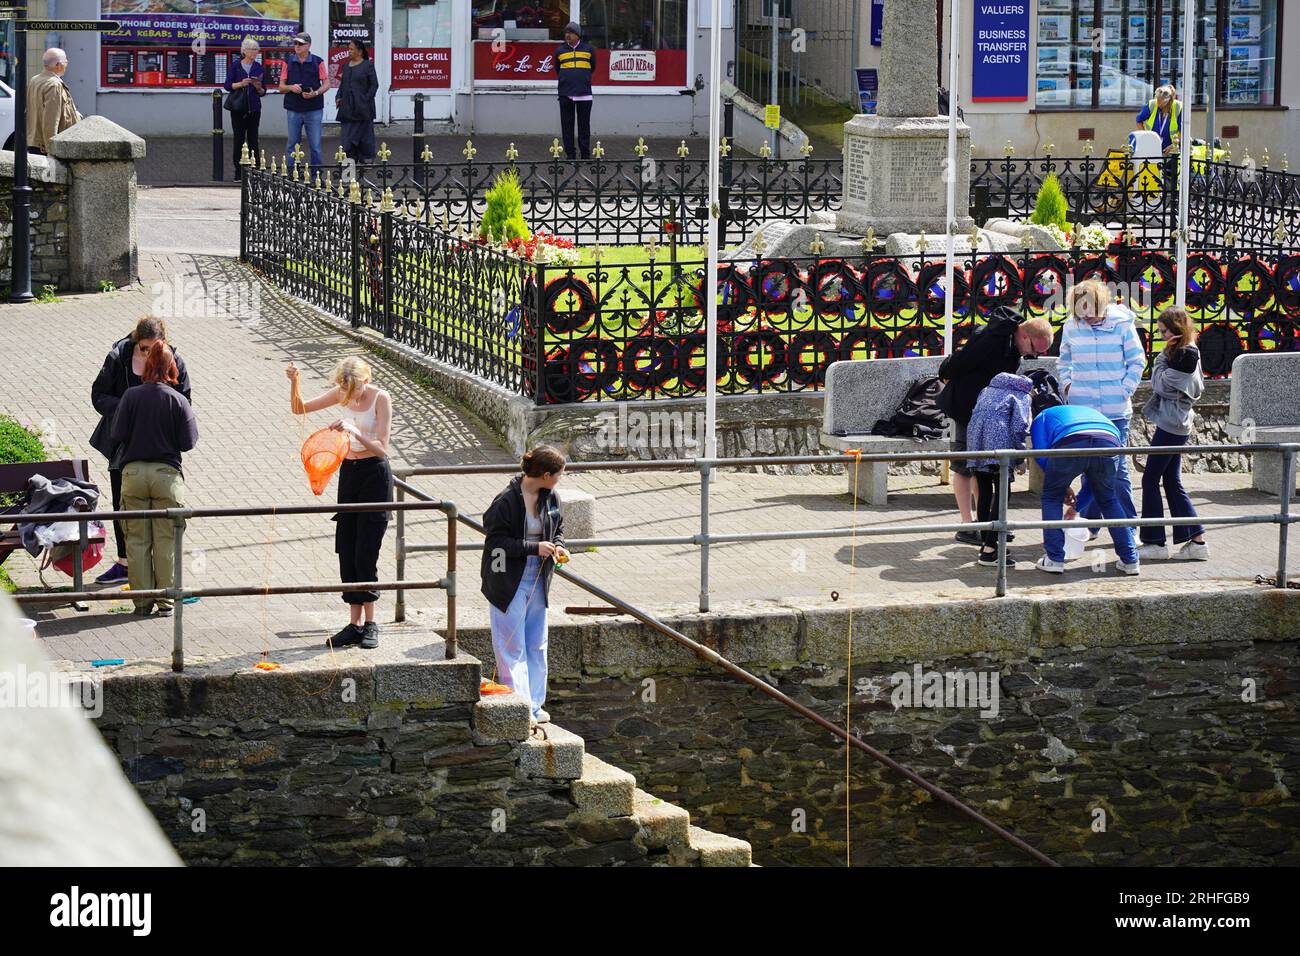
50	109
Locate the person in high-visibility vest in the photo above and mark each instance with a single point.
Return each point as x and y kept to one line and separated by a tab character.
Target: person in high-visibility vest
1163	115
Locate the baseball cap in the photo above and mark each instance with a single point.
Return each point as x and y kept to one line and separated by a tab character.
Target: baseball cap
303	38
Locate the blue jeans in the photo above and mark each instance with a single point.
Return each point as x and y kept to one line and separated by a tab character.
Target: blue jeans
1101	474
298	121
519	639
1086	503
1166	470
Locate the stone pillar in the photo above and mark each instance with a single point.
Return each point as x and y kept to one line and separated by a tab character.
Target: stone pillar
909	58
102	240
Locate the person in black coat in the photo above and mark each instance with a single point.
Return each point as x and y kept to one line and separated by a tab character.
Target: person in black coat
575	62
358	86
525	539
995	348
122	369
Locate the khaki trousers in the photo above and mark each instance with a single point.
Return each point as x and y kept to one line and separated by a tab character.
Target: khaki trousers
151	543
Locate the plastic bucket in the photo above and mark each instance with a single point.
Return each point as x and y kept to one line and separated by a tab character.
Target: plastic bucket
1076	539
27	624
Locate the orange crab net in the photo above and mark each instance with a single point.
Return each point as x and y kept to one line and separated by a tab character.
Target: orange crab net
322	455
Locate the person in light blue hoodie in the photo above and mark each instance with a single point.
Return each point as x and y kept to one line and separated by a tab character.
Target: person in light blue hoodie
1100	365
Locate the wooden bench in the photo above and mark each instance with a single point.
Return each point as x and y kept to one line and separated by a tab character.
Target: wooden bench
1262	408
13	480
860	393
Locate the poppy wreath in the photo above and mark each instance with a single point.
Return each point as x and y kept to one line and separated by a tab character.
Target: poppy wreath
557	377
809	355
871	343
1046	277
691	358
734	291
1155	269
1096	267
1205	282
1272	335
1287	284
1219	343
916	341
759	356
834	287
566	323
593	366
889	287
778	282
996	282
649	363
928	284
1250	286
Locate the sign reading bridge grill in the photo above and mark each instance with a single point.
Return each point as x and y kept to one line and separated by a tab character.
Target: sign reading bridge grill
1001	45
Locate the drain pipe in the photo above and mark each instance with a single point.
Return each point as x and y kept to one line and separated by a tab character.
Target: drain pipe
713	657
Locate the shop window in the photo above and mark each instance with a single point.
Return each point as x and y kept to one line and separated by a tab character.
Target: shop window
1250	56
520	19
634	24
421	44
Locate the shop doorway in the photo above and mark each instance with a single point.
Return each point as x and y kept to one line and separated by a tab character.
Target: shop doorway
356	20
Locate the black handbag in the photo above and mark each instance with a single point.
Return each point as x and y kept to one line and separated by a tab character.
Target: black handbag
237	100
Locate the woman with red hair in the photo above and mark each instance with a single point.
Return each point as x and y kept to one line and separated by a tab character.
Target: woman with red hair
154	424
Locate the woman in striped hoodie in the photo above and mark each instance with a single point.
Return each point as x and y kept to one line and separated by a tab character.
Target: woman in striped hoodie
1100	366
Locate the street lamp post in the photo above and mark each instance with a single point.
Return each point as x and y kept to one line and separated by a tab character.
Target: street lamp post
20	273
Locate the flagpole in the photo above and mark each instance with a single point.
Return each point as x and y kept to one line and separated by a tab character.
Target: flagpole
951	215
711	267
1185	147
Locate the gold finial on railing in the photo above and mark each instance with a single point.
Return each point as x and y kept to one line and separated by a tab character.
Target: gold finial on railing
683	151
1049	149
329	181
386	202
598	151
1279	234
818	245
342	193
1229	237
245	156
1008	150
651	249
426	154
318	179
297	153
446	222
704	246
597	252
295	173
974	236
806	149
1263	160
511	153
758	243
556	149
1227	151
922	243
1126	148
1284	163
263	164
354	192
340	156
640	148
1245	156
384	152
765	151
869	241
1087	147
370	198
724	148
469	152
1026	241
1074	238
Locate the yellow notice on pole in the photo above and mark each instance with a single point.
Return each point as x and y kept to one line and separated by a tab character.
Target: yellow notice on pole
772	115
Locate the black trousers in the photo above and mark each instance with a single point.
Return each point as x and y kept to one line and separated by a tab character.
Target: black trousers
986	504
581	110
359	535
245	126
119	529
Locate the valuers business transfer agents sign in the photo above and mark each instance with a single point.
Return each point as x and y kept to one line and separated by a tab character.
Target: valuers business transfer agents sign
1001	64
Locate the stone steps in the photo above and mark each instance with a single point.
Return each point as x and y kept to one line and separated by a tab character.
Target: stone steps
600	791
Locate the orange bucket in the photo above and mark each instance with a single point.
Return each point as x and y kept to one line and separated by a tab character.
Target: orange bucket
322	455
489	687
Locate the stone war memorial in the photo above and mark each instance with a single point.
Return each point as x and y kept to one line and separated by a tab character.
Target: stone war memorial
398	538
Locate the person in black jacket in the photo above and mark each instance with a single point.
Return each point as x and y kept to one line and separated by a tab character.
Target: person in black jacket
997	347
153	425
575	62
525	539
122	369
356	104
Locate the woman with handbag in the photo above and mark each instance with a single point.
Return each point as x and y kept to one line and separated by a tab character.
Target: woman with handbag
355	100
244	85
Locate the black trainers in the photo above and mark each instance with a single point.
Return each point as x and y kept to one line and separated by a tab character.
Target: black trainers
989	559
370	635
345	638
969	537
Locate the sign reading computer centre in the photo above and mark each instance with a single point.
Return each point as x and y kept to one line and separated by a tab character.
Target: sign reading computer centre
1001	63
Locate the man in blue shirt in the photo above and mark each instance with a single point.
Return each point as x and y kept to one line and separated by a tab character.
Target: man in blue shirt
304	84
1077	426
575	62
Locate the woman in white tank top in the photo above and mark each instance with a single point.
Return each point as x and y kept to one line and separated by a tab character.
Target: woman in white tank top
366	415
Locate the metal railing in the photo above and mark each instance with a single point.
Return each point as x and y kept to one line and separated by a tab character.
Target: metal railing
178	592
705	539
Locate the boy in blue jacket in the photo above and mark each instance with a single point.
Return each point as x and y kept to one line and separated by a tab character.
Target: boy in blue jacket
1077	426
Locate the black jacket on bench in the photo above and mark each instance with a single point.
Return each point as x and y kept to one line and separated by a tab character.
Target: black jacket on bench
503	526
111	384
969	370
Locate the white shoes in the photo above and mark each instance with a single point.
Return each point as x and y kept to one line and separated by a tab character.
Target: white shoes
1122	568
543	717
1051	567
1153	552
1193	551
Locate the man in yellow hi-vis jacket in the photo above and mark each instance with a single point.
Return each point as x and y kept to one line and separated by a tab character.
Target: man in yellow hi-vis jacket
575	61
1163	115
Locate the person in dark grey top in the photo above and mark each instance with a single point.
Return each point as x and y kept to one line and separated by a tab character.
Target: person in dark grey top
153	426
356	104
